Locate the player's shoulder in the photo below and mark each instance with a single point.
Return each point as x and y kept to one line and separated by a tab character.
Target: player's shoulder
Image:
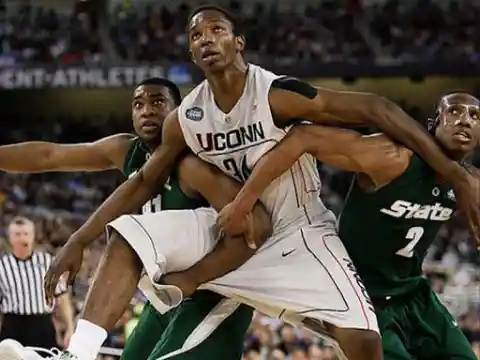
258	71
295	85
195	93
192	105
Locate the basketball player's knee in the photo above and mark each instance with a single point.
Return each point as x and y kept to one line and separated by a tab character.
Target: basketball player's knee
121	252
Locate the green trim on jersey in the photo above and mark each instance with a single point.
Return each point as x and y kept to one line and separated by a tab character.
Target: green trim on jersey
387	232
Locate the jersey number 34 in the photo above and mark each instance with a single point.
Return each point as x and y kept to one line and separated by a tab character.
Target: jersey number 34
414	234
241	172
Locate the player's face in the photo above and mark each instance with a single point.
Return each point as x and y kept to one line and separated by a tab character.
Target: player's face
21	237
150	105
459	126
213	45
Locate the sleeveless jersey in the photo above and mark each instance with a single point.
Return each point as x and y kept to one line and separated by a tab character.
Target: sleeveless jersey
171	197
234	142
387	232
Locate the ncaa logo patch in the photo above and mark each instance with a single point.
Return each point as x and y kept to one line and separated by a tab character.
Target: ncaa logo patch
194	114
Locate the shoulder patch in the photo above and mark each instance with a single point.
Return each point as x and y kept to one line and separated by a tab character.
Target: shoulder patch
194	114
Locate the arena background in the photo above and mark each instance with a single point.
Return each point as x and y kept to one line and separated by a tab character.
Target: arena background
67	70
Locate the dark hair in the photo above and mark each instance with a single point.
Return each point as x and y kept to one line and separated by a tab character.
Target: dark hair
234	20
171	86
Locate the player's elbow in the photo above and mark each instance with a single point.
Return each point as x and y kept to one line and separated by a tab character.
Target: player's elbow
48	156
300	140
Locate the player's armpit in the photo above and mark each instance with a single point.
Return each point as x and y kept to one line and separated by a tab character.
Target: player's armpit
377	156
40	156
219	190
138	189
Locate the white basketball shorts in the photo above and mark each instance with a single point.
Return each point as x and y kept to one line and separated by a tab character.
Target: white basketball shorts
167	241
302	273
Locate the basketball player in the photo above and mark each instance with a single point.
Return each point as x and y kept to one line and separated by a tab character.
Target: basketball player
231	120
152	100
395	208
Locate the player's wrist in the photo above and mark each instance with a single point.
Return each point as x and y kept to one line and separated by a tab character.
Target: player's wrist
244	204
79	239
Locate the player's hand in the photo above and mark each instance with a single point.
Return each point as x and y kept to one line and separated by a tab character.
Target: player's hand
69	259
235	221
467	193
182	280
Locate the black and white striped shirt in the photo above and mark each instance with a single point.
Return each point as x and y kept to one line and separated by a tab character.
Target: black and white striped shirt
21	284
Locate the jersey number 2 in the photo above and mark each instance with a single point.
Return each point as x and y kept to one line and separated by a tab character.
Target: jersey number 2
414	234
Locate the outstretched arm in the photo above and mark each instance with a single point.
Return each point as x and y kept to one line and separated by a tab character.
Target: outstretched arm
377	156
231	252
293	99
40	156
137	190
321	105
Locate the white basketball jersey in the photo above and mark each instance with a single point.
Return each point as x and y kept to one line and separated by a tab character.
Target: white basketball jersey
234	142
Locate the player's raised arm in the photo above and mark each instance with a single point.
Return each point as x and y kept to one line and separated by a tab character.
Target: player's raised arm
297	100
137	190
40	156
293	99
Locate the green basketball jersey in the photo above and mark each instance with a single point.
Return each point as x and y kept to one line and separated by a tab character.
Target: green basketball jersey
171	197
387	232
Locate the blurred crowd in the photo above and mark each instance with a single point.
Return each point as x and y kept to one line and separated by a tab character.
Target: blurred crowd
60	202
329	31
32	35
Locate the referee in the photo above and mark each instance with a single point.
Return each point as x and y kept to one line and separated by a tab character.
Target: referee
26	316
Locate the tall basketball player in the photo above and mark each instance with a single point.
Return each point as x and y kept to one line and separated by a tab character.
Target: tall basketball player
231	120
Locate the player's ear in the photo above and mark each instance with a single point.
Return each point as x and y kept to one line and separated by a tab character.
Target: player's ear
240	43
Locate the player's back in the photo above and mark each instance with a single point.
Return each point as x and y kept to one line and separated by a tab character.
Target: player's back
387	232
235	141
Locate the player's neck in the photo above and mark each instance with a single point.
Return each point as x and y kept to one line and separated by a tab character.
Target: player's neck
227	86
458	156
151	144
